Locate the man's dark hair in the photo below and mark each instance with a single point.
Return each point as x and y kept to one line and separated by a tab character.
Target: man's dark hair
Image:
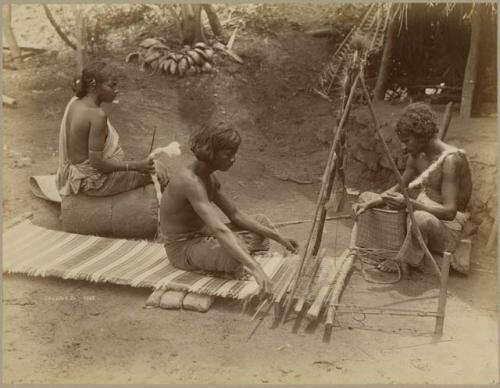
207	140
419	120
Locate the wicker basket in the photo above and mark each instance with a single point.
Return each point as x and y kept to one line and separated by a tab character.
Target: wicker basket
381	229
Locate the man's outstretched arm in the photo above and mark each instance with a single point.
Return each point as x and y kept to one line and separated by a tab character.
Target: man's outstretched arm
243	221
198	199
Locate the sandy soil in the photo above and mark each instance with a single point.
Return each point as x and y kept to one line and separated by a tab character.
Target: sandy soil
57	331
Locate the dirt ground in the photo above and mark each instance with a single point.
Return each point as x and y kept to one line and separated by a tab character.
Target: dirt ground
58	331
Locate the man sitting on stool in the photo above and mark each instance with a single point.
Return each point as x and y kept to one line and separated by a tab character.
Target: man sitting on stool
440	185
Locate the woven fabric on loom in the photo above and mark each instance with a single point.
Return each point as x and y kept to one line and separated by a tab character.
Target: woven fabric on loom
381	229
38	251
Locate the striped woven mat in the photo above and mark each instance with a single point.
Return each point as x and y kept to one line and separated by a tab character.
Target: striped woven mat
37	251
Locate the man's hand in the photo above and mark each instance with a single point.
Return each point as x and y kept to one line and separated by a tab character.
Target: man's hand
394	200
290	244
266	286
359	208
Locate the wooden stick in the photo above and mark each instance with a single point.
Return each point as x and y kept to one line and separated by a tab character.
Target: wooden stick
152	141
339	284
322	297
295	222
315	269
443	294
445	121
404	190
311	275
325	176
230	43
493	236
260	308
338	288
355	308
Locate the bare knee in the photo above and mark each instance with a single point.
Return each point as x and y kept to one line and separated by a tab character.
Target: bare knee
424	220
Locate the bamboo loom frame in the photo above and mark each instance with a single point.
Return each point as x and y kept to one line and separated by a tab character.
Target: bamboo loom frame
325	190
442	273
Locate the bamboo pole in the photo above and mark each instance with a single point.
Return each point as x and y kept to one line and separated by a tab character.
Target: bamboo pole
471	69
295	222
338	288
312	274
443	294
330	165
339	284
404	189
322	297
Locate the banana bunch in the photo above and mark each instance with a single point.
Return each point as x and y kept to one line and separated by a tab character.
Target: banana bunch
153	54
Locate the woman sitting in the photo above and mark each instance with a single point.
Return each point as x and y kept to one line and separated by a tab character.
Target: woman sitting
91	160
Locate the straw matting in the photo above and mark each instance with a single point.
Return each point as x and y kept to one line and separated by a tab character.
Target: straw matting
38	251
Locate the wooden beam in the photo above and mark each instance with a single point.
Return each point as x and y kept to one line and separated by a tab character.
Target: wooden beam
443	294
322	296
386	61
470	76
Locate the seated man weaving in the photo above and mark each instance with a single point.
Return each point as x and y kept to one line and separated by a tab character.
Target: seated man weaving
439	182
196	238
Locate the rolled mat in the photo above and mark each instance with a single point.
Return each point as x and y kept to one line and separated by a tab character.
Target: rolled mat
44	186
132	214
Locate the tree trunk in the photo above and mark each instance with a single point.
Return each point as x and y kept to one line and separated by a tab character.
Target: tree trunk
57	28
213	19
10	37
470	76
79	33
192	29
385	63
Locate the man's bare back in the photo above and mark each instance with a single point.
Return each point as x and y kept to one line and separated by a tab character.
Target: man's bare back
176	210
457	161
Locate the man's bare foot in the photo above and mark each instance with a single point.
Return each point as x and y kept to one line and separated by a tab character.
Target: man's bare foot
388	266
391	266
